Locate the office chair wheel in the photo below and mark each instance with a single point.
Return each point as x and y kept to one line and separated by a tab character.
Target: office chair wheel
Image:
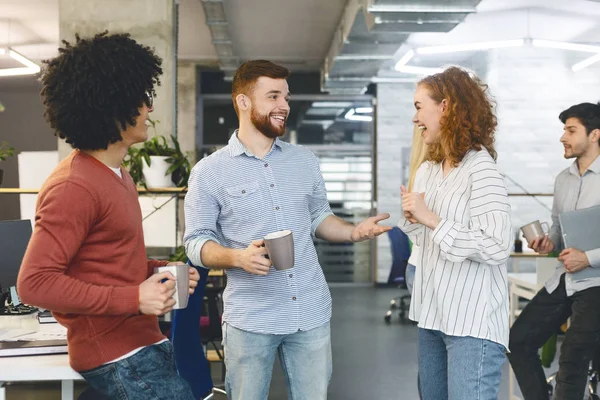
393	304
388	317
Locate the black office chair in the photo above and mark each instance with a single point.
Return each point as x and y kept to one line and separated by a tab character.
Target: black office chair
400	254
211	333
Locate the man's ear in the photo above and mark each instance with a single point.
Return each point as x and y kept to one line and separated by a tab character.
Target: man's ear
243	102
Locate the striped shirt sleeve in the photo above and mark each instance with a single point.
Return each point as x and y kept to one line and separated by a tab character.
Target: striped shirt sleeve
201	213
487	237
318	204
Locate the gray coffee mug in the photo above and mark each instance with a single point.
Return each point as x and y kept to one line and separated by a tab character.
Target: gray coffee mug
280	247
182	287
534	230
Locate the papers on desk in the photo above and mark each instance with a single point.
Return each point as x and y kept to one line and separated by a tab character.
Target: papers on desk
46	332
49	339
9	335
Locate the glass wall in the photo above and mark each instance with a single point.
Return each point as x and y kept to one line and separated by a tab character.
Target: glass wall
340	132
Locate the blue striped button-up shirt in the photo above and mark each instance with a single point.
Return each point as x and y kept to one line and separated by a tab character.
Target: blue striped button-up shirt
234	198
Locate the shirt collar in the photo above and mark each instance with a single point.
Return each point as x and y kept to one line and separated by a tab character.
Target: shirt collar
237	148
594	167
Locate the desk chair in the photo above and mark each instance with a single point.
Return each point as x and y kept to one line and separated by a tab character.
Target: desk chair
190	358
400	246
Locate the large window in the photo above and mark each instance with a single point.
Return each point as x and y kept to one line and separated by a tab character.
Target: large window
340	132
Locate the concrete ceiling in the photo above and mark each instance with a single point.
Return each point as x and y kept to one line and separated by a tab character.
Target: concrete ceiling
296	33
30	27
575	21
301	34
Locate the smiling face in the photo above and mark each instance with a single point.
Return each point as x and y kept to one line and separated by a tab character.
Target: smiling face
428	115
269	107
139	132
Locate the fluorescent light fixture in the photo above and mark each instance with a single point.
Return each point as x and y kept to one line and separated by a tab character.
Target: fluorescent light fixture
404	60
565	45
586	63
331	104
364	110
409	69
351	115
471	46
29	68
393	8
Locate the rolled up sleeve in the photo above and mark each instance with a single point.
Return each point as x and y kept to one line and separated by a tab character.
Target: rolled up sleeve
201	214
318	203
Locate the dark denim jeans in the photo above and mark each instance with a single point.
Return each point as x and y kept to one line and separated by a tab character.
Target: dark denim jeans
149	374
539	320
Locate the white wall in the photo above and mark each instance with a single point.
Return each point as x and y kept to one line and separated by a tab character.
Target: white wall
531	87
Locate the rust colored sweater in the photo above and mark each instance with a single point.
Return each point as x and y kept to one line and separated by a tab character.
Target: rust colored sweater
86	260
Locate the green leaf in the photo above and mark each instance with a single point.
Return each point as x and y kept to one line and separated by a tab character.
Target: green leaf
549	351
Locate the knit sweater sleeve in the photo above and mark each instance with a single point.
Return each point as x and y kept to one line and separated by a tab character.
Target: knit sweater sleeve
65	214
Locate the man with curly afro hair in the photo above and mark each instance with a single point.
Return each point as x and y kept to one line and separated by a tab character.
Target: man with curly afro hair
86	260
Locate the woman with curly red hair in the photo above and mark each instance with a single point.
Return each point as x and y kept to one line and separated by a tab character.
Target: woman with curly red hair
462	224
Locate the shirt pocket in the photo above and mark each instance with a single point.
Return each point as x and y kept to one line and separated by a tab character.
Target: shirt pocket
243	190
244	202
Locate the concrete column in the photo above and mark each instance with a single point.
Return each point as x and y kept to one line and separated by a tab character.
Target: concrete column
150	22
394	138
186	108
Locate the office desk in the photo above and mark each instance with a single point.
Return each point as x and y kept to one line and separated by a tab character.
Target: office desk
523	284
517	257
54	367
519	285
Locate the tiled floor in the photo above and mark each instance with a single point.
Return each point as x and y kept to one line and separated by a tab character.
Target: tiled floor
371	360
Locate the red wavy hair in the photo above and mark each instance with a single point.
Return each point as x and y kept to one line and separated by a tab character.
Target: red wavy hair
469	121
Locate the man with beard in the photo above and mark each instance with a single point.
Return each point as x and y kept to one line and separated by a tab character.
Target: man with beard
254	186
564	295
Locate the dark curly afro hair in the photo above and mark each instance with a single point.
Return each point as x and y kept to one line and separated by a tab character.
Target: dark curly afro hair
92	91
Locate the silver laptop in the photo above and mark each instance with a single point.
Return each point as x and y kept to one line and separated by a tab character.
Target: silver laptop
581	230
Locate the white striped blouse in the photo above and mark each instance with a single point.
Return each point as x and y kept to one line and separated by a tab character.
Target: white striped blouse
461	284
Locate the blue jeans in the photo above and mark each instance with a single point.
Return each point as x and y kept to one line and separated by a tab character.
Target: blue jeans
148	374
459	368
305	358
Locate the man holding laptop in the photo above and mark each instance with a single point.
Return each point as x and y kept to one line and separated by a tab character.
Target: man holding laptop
566	294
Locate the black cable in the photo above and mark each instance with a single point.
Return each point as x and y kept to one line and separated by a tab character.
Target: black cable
161	206
527	192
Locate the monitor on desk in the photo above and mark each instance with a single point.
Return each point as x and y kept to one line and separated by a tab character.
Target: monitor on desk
14	238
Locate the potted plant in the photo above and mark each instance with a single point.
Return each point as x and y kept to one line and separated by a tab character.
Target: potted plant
5	152
157	164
